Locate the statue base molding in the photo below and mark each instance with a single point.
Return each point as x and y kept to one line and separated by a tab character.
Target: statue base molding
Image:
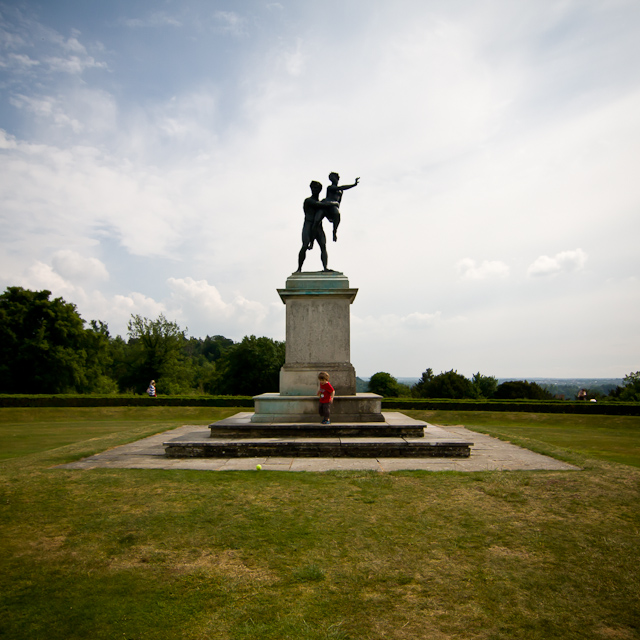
275	408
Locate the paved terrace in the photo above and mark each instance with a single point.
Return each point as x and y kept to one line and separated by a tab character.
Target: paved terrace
487	454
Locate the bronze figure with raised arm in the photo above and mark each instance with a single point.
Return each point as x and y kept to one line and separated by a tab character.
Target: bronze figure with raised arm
334	194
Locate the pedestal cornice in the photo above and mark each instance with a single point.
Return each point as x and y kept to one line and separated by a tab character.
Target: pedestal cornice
331	284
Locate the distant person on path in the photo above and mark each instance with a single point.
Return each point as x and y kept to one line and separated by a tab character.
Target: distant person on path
152	389
310	231
325	393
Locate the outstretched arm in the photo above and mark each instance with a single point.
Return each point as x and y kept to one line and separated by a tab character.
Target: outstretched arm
349	186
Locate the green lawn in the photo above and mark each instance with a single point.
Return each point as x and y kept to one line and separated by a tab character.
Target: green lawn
25	431
148	554
613	438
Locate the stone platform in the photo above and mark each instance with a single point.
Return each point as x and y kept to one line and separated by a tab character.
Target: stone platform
238	437
487	454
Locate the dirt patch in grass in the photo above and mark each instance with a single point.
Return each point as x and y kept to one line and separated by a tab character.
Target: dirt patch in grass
227	563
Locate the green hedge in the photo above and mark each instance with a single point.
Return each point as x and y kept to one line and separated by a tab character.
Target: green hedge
123	401
527	406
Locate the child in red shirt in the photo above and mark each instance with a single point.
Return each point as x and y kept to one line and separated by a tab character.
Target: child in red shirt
325	393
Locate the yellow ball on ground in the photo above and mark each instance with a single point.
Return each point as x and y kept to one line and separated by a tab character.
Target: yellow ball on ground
258	467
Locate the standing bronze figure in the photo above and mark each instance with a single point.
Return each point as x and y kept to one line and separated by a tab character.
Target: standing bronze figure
311	231
315	210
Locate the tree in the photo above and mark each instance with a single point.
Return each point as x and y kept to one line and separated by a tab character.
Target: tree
209	348
522	390
100	365
484	386
204	353
155	351
630	389
44	346
384	384
252	366
419	389
449	384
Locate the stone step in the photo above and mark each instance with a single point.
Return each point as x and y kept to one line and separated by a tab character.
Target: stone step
392	425
334	430
317	448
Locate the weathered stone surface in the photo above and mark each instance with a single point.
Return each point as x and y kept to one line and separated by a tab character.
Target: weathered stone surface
487	454
241	426
318	335
318	448
275	407
239	437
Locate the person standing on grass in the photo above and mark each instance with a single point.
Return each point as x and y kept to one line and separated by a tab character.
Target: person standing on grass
325	393
152	389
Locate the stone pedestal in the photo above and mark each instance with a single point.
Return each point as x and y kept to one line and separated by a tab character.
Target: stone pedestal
318	336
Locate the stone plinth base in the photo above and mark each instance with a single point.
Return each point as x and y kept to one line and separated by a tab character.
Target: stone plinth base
277	408
241	443
302	379
395	425
318	333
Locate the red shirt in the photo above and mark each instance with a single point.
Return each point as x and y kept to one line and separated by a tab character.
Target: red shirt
325	392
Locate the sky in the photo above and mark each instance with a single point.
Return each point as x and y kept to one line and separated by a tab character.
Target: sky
155	156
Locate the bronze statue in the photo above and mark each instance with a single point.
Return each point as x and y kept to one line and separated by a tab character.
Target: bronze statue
334	194
311	231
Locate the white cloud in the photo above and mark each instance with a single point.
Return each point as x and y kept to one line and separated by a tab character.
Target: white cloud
65	280
565	261
468	269
199	293
122	307
48	108
201	305
230	22
7	141
42	276
294	60
23	60
72	266
158	19
73	44
390	324
72	64
79	192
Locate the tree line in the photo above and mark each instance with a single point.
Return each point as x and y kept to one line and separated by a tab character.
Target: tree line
46	347
451	384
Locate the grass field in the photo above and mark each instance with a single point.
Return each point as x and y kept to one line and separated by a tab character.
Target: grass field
142	554
613	438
